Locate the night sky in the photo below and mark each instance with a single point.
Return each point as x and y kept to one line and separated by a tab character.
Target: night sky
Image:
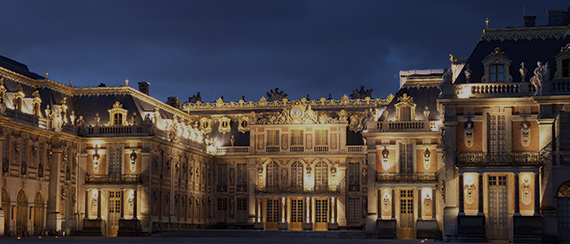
234	48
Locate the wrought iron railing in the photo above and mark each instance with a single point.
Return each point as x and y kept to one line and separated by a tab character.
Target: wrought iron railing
327	189
229	150
498	159
118	130
406	177
387	126
113	179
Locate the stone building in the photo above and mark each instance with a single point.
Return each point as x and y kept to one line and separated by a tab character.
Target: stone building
478	151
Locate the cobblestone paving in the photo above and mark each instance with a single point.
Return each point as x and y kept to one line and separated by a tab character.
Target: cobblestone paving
200	240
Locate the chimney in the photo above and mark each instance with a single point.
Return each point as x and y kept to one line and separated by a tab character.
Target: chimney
529	21
143	87
173	101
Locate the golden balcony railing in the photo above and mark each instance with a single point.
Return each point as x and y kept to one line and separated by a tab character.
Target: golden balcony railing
328	189
406	177
113	179
498	159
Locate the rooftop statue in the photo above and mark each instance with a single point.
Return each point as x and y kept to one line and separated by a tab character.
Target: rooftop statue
541	74
362	94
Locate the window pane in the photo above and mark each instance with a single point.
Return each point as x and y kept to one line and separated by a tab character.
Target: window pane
499	68
493	68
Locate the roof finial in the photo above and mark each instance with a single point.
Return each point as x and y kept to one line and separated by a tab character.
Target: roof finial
487	21
70	82
47	75
126	81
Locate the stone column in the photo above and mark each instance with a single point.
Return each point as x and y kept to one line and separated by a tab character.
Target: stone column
433	202
393	203
256	210
537	194
99	203
86	203
334	207
135	204
461	201
480	196
122	204
54	190
419	203
517	202
379	205
372	214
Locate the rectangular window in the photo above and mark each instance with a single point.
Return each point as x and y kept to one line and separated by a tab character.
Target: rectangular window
321	137
222	210
242	177
496	134
406	158
353	176
222	177
296	138
354	211
496	73
272	138
564	130
242	210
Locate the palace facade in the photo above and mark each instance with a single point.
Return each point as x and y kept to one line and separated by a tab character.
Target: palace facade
478	151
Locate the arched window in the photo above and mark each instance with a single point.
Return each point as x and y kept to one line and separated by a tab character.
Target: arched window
297	174
321	174
496	73
564	190
272	174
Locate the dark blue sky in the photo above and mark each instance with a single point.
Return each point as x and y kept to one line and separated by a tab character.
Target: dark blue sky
234	48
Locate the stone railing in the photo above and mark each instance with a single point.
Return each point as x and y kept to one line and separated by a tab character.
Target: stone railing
494	89
232	150
406	177
135	130
355	149
25	118
502	159
328	189
388	126
113	179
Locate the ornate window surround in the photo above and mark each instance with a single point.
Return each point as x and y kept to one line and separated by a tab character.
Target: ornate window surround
405	101
118	109
497	57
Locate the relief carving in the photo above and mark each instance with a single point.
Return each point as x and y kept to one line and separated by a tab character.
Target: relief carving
468	130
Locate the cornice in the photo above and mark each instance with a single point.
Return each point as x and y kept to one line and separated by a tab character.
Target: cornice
527	33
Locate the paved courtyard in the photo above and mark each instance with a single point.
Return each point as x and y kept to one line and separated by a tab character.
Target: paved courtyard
212	240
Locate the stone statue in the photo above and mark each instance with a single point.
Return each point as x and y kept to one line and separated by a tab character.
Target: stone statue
541	74
467	71
525	134
446	81
523	72
469	134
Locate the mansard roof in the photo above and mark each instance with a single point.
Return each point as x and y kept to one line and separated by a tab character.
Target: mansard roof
18	67
423	95
526	44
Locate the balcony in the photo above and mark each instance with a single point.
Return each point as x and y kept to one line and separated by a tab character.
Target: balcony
481	159
25	118
137	130
329	189
356	149
232	150
297	149
406	178
321	149
113	179
394	126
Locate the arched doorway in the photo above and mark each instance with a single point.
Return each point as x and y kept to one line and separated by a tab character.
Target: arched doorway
38	213
22	214
563	208
6	208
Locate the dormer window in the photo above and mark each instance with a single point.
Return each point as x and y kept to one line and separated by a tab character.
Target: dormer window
496	73
566	68
497	66
405	109
117	115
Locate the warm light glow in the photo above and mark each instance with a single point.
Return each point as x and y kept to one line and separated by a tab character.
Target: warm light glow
468	179
464	93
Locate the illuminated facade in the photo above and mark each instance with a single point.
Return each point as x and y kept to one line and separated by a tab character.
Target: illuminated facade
476	152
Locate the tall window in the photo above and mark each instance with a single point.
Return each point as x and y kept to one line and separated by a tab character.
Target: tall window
272	174
406	158
222	210
241	177
353	176
321	175
272	141
566	68
496	134
222	177
118	119
496	73
297	141
353	211
405	113
242	213
297	174
321	137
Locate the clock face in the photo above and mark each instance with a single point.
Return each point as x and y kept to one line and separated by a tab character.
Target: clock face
296	113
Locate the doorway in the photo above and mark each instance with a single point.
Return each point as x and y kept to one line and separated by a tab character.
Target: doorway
272	213
321	213
407	213
296	213
497	221
114	212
